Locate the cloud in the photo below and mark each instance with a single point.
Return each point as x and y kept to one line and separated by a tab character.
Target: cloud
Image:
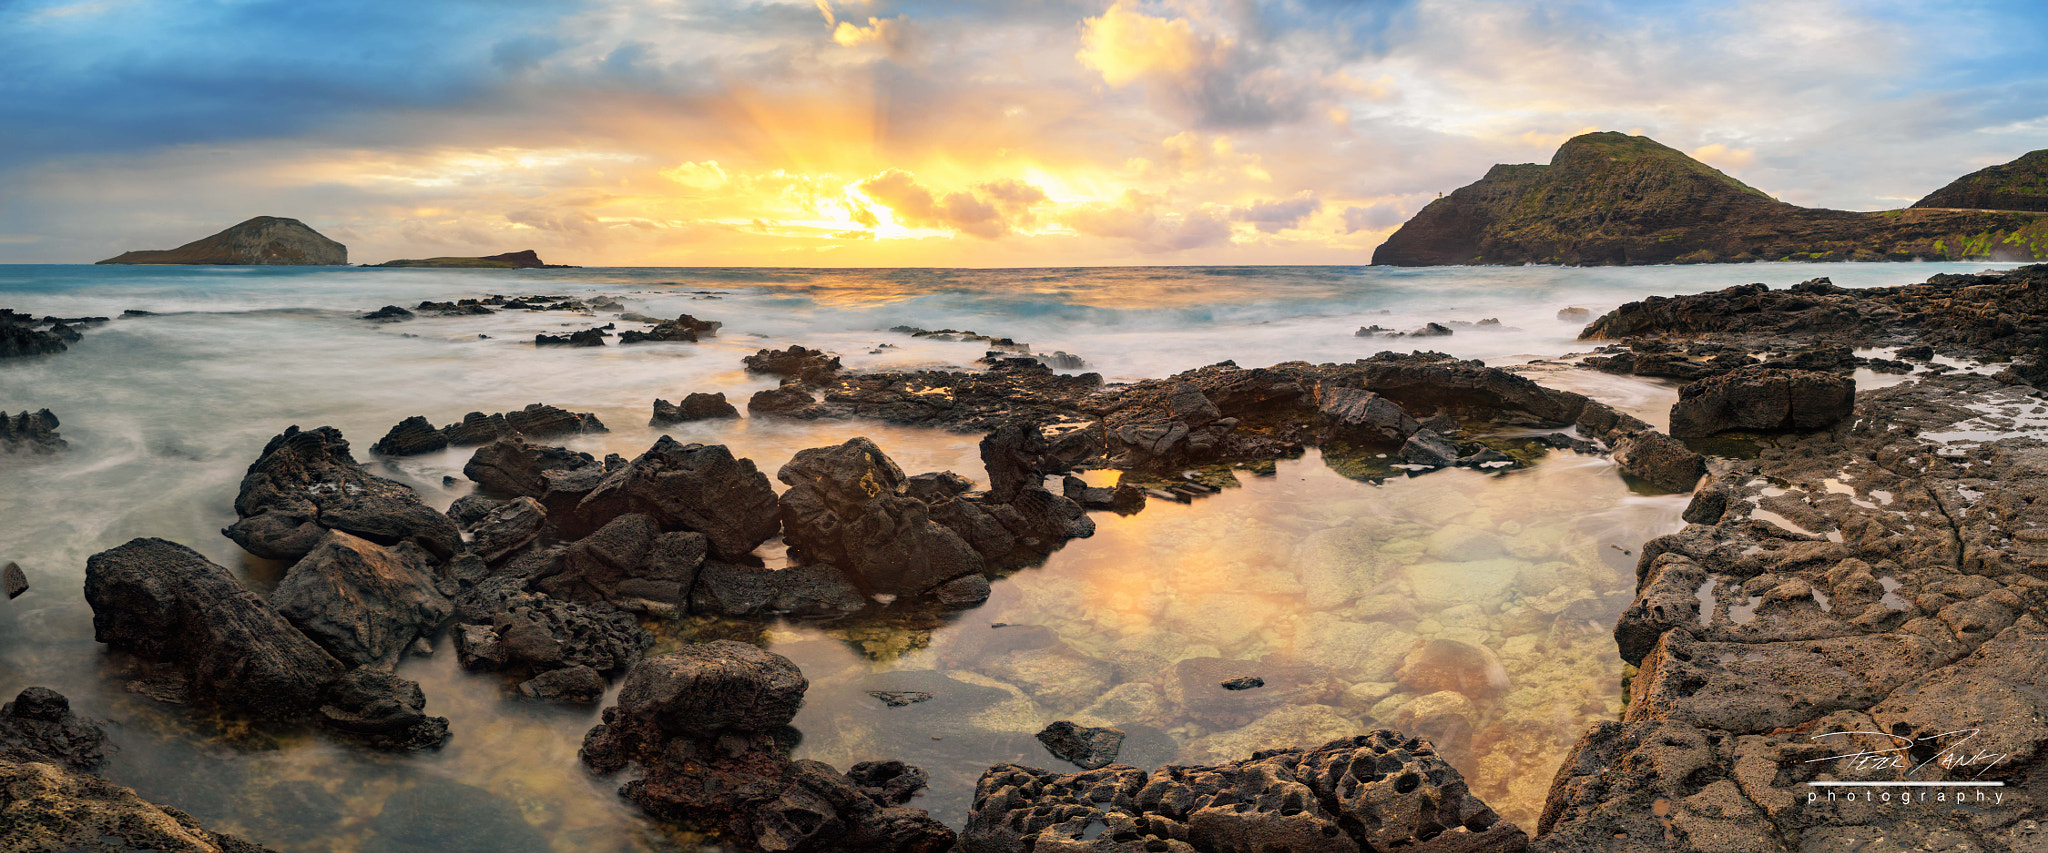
988	211
1724	157
1372	217
1274	215
1210	74
1126	45
1137	218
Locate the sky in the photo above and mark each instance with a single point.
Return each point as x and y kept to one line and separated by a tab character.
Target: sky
820	133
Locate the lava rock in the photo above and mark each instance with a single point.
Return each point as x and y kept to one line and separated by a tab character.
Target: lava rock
1085	747
47	807
696	407
30	432
801	364
363	603
12	579
164	603
696	487
1361	411
1761	398
388	314
512	467
306	483
40	721
383	711
683	329
1381	791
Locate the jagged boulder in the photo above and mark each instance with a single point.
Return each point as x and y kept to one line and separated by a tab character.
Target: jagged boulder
1380	791
163	603
511	466
1359	411
696	487
702	723
416	435
696	407
850	506
383	711
306	483
683	329
30	432
1764	399
361	602
40	721
799	364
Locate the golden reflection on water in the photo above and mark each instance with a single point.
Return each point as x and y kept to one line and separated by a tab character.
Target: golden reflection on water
1322	583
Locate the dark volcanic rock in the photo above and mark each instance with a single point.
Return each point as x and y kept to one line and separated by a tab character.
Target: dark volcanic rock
12	580
507	629
1362	411
695	487
363	603
30	432
388	314
1086	747
797	363
1764	399
1373	792
511	466
585	338
306	483
702	723
850	506
382	710
537	420
40	721
788	401
683	329
19	339
45	808
1609	198
265	240
696	407
507	529
413	436
164	603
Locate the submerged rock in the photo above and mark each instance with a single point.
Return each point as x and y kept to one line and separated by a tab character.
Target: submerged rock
1380	791
39	721
701	723
306	483
383	710
46	808
1086	747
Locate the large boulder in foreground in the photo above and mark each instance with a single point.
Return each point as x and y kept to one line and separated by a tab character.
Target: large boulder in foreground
1380	791
265	240
306	484
697	487
850	506
45	808
361	602
1764	399
702	723
164	603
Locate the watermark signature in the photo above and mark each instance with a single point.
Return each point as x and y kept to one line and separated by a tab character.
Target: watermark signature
1904	758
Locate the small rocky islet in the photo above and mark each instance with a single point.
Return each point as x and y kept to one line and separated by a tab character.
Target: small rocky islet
1857	560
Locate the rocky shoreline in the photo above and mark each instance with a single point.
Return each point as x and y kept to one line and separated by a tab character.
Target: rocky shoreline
1855	561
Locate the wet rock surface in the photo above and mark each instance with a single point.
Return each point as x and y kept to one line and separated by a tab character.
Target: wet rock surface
796	364
1762	399
30	432
167	605
1867	587
363	603
703	722
416	435
683	329
39	721
696	407
306	483
47	808
1380	791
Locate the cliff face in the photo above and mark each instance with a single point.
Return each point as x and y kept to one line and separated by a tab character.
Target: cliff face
2019	185
265	240
1610	198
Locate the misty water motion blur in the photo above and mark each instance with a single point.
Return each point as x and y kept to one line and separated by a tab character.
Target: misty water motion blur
163	414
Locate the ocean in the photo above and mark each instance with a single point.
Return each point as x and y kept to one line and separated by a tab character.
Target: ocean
1299	570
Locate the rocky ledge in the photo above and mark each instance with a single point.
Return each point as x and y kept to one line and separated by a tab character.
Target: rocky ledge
25	334
264	240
